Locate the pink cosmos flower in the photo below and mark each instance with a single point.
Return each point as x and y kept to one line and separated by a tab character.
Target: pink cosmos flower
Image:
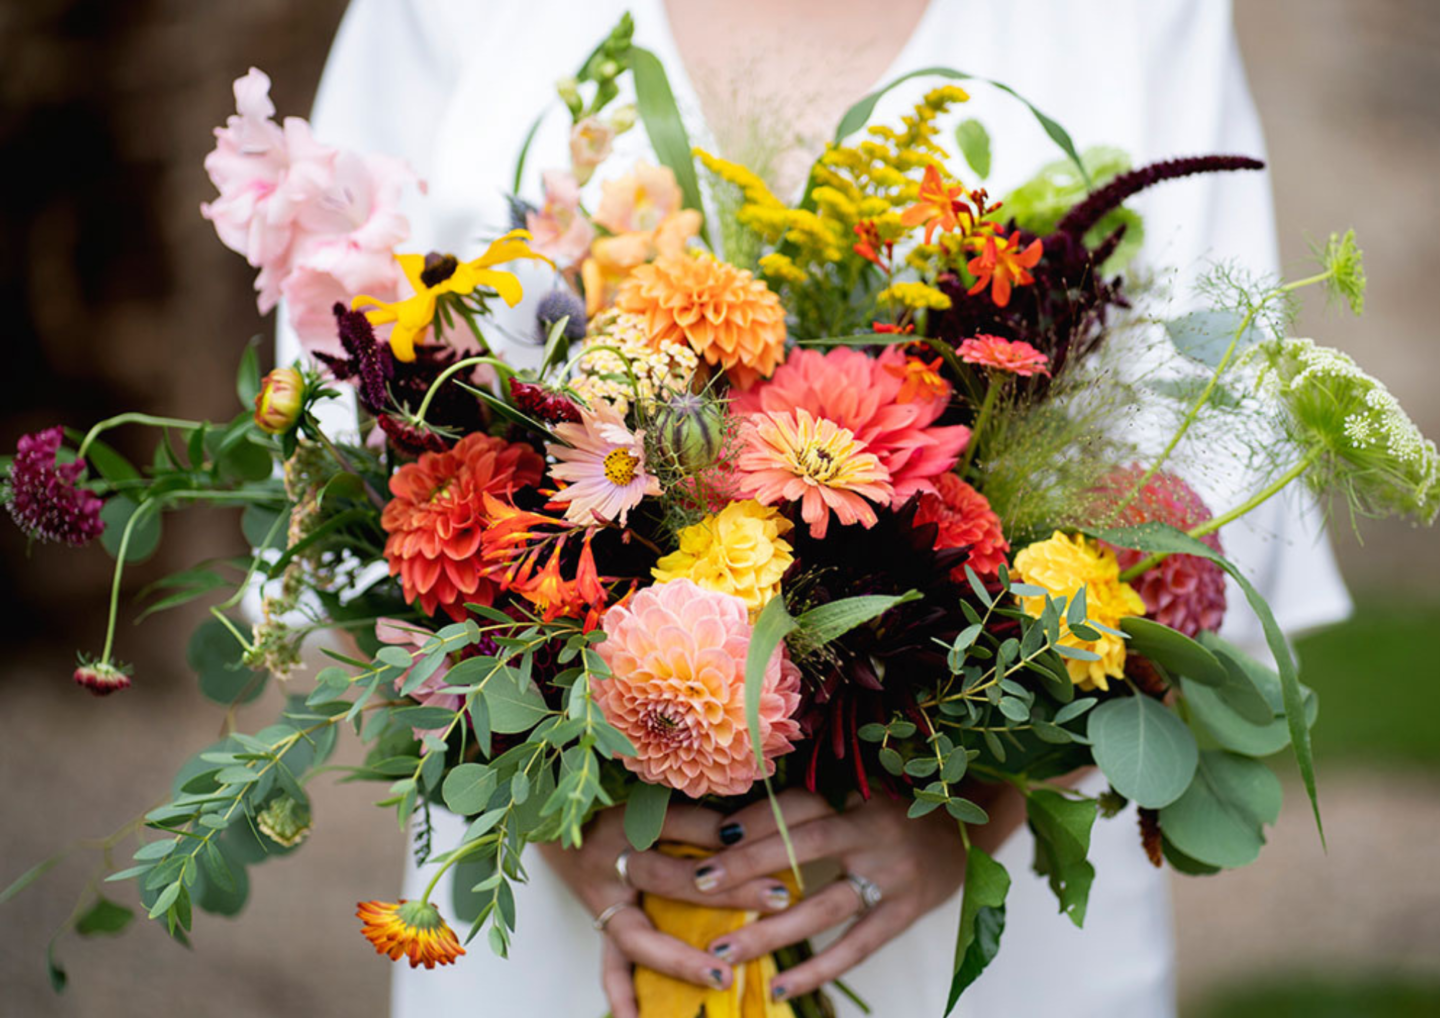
862	395
603	465
561	231
1014	356
677	690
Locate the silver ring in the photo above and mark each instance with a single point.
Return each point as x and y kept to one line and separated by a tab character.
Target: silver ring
603	919
867	891
622	867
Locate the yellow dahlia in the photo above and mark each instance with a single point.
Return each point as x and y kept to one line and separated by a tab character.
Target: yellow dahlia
728	317
740	550
1064	564
409	928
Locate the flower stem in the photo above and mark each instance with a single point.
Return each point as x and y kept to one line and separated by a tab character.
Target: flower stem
140	510
451	372
131	418
986	409
1214	524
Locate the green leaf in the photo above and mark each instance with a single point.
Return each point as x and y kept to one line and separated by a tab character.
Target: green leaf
974	142
424	717
828	622
1144	749
468	788
771	627
1173	650
144	536
982	920
58	978
514	703
247	378
1222	718
1062	842
645	814
1242	691
215	655
655	103
858	115
166	899
1204	336
1221	818
31	875
1157	537
109	463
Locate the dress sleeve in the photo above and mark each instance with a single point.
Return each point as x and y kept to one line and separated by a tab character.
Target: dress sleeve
1198	101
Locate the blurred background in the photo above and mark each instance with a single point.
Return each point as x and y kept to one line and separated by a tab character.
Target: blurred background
110	281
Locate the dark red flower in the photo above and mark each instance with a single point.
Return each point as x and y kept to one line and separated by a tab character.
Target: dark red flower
543	404
102	678
44	495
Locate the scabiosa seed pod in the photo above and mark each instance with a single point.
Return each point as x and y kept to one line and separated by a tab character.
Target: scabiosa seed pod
557	304
284	821
102	677
280	401
691	429
44	495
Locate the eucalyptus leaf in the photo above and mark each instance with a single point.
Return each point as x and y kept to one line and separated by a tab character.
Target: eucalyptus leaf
1221	818
1173	650
514	703
1204	336
645	814
1144	749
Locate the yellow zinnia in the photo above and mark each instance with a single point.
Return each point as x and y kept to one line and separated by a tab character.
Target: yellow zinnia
1064	564
433	275
740	550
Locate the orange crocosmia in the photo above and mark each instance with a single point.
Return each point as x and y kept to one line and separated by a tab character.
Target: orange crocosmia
938	205
1002	265
891	329
866	246
921	380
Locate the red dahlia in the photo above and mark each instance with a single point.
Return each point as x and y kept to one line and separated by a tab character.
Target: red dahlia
965	520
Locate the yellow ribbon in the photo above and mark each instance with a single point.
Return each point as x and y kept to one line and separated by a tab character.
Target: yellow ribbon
662	996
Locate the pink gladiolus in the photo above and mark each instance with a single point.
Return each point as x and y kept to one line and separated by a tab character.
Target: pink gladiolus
561	232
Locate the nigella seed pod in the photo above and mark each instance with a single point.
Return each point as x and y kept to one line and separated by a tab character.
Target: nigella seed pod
691	428
280	401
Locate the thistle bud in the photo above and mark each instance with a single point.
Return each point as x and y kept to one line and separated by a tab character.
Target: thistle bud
280	401
102	678
691	429
284	821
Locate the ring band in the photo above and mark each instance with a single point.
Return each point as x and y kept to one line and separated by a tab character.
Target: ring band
867	891
603	919
622	867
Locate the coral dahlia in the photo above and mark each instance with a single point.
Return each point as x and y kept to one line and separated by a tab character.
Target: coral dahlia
964	520
863	395
1184	592
437	516
677	690
728	317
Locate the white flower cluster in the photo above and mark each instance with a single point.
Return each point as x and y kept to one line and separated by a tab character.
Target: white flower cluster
668	366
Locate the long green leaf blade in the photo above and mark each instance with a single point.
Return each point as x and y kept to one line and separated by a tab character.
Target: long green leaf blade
655	103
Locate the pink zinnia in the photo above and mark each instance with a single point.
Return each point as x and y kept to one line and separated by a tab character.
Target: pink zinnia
862	395
1184	592
1010	355
677	690
964	519
603	465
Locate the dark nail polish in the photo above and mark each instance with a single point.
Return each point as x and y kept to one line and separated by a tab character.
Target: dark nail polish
717	978
777	897
778	992
723	951
731	833
707	878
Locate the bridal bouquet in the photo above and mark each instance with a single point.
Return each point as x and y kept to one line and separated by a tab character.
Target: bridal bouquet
834	495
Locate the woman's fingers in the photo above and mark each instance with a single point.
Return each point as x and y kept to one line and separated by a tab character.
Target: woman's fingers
757	820
825	909
693	825
663	875
819	839
862	940
638	940
617	981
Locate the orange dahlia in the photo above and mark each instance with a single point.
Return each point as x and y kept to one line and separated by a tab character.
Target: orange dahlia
964	520
409	928
437	517
677	690
728	317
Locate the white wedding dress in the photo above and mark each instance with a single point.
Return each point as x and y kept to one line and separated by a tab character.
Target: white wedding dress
453	85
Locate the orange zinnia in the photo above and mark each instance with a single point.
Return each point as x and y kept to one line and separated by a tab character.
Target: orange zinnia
409	928
1002	265
437	517
937	206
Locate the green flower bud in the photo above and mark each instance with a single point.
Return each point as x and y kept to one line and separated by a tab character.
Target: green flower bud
569	91
284	821
280	401
623	118
691	429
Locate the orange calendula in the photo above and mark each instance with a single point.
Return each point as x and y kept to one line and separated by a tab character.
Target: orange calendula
433	275
413	929
938	205
1002	265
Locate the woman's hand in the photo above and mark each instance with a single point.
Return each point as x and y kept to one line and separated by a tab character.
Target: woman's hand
917	865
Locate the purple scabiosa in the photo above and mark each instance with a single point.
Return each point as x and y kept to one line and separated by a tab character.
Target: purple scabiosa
44	495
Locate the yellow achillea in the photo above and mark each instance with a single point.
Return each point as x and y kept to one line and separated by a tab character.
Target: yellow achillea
915	295
1062	565
740	550
781	268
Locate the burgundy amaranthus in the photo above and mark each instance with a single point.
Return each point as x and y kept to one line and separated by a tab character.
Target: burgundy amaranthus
44	495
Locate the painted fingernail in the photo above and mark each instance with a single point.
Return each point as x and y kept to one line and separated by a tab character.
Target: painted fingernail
731	833
778	992
717	979
777	897
707	877
723	951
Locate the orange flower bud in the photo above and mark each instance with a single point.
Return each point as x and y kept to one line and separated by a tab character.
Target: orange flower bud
280	400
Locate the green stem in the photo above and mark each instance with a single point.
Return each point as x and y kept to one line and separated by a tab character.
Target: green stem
450	372
140	510
1212	525
131	418
239	637
986	408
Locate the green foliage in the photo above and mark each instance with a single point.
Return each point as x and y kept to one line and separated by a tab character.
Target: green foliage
645	814
1040	203
1173	651
1220	819
655	103
974	142
1062	841
216	657
1206	336
1144	749
982	920
144	533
